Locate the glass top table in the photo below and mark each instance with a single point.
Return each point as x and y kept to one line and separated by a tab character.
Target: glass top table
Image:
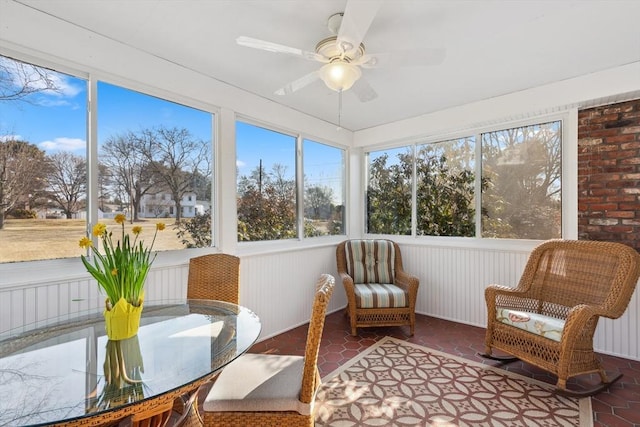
70	372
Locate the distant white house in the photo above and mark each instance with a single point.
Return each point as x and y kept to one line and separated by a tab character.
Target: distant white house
162	205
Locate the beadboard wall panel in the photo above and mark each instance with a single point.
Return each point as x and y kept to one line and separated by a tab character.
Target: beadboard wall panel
452	283
279	288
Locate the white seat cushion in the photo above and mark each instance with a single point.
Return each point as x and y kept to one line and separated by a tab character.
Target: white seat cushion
539	324
259	382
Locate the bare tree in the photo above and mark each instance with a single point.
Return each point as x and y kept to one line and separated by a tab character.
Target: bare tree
67	181
22	172
318	202
18	80
129	168
175	158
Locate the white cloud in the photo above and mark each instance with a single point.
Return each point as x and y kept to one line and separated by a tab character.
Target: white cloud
63	144
21	73
240	164
5	138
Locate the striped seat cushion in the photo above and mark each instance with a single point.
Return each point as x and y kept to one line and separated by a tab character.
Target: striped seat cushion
370	261
380	295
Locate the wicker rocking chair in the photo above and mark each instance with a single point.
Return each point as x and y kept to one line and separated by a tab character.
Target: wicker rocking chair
550	318
379	291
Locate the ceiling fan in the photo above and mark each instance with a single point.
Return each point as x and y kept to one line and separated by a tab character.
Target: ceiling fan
344	54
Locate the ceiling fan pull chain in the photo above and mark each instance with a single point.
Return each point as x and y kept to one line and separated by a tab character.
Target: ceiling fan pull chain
339	110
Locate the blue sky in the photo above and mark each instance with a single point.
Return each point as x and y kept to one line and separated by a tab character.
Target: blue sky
57	122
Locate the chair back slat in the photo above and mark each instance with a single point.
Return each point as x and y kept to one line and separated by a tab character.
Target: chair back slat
310	377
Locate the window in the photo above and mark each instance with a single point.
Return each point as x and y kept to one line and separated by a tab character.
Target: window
445	188
515	191
43	178
389	191
522	172
161	152
266	184
150	153
323	189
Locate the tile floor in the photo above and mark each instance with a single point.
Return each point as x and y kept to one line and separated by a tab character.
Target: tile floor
617	407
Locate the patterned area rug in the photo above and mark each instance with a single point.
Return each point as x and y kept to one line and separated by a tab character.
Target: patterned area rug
396	383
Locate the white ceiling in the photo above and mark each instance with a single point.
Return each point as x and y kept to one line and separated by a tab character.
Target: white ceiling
492	47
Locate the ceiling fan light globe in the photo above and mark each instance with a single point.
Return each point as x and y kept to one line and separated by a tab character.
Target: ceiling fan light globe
340	75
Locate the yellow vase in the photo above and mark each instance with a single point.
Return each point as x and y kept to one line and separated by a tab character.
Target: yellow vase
122	320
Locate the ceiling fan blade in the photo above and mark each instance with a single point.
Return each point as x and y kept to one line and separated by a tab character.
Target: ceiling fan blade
357	18
278	48
364	91
403	58
298	84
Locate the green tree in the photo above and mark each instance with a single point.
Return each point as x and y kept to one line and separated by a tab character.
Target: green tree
445	190
266	205
195	232
389	196
445	185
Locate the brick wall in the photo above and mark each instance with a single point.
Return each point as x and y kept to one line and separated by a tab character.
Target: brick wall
609	173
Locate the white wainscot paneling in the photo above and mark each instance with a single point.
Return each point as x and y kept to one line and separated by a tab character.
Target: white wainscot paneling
280	287
452	283
38	303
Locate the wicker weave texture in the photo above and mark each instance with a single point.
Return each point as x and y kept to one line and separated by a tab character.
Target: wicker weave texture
215	277
310	376
156	416
149	406
373	317
575	281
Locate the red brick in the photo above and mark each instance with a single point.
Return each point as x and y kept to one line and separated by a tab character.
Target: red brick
620	214
603	206
595	192
632	161
603	133
622	154
621	199
618	229
631	129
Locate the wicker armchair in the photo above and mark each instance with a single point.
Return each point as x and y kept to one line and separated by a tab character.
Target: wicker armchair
379	291
272	389
550	318
215	277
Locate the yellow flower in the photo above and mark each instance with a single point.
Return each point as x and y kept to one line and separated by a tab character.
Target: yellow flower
120	267
85	242
120	218
99	229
